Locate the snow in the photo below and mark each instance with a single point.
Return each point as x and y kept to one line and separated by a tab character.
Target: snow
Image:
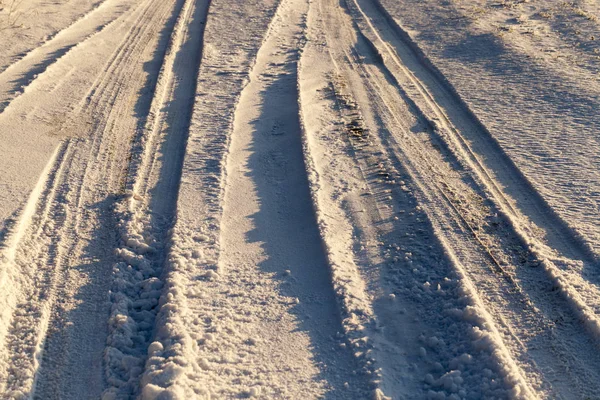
299	198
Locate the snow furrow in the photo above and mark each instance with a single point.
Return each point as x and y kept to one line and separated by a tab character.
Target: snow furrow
173	348
40	195
120	56
37	121
147	211
72	15
337	232
298	199
477	143
100	177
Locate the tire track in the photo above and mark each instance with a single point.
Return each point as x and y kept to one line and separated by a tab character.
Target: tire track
388	205
563	253
172	367
49	38
106	162
34	209
148	211
520	299
271	252
37	121
23	344
42	321
267	230
100	178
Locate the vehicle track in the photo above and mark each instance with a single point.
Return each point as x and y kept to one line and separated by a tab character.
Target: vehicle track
47	217
270	218
382	248
522	304
147	212
194	245
70	234
76	14
528	276
501	364
36	121
110	96
271	295
563	253
243	319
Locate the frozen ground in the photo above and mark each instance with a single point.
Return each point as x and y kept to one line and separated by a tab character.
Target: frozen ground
341	199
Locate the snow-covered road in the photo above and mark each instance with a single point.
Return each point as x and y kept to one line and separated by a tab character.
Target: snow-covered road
298	198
